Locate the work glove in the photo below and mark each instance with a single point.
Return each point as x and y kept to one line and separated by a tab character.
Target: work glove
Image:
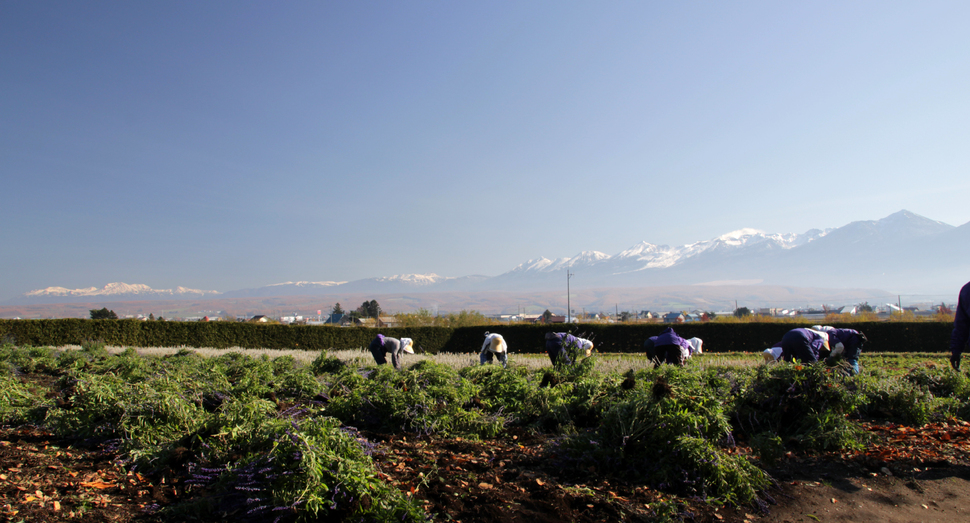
955	361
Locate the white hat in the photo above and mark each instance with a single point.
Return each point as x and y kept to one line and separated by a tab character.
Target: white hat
497	343
407	345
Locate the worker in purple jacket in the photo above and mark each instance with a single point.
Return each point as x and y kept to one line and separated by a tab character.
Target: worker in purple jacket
558	345
671	348
804	345
381	345
811	345
845	343
961	328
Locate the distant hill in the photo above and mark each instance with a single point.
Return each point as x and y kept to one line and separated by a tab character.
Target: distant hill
665	298
901	253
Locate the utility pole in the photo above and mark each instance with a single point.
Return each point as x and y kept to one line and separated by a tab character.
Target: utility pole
568	310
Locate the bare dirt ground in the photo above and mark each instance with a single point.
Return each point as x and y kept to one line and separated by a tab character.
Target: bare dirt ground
907	474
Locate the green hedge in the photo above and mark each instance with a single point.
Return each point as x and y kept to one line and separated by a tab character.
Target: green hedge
718	337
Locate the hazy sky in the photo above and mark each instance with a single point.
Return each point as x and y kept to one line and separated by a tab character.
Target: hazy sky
226	145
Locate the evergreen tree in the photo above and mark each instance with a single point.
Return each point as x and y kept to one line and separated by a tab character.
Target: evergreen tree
103	314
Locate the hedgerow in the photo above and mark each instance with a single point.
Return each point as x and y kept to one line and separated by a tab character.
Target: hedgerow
895	336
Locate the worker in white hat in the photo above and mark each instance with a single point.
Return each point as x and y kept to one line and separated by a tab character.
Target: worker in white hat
381	345
696	347
772	354
494	346
585	346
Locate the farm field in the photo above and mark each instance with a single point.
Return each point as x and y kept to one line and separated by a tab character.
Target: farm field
98	433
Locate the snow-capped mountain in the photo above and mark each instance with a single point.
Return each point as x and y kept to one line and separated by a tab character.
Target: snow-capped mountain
903	252
114	291
646	256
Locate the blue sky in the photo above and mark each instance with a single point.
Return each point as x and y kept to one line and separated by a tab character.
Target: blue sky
226	145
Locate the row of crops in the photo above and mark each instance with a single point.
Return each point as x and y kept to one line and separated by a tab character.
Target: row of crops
286	440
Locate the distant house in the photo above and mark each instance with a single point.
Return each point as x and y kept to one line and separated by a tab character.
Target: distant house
387	322
335	319
674	317
364	322
259	319
552	319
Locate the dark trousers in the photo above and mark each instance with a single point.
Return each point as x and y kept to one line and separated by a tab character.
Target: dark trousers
796	345
380	356
557	353
669	354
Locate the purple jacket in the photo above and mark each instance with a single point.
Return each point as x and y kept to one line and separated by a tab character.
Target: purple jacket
669	337
849	339
961	323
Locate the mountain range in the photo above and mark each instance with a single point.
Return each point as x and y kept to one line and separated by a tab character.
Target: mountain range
901	253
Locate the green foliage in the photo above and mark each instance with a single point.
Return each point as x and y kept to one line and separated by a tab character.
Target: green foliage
26	360
427	398
368	309
103	314
313	467
768	446
325	364
669	435
803	404
280	428
19	403
297	384
144	414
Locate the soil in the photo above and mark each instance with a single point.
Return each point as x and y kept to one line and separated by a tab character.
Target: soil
906	474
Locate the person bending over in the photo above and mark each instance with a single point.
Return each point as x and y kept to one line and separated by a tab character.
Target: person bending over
381	345
494	346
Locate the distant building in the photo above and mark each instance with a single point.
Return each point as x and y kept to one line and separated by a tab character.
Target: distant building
260	319
387	322
674	317
552	319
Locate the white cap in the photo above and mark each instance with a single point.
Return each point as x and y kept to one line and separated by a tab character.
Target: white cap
407	345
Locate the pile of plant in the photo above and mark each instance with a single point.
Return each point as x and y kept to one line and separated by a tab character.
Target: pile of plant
259	439
671	431
245	433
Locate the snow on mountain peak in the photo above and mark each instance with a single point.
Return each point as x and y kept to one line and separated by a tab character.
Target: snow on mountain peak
414	279
740	235
307	283
113	289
